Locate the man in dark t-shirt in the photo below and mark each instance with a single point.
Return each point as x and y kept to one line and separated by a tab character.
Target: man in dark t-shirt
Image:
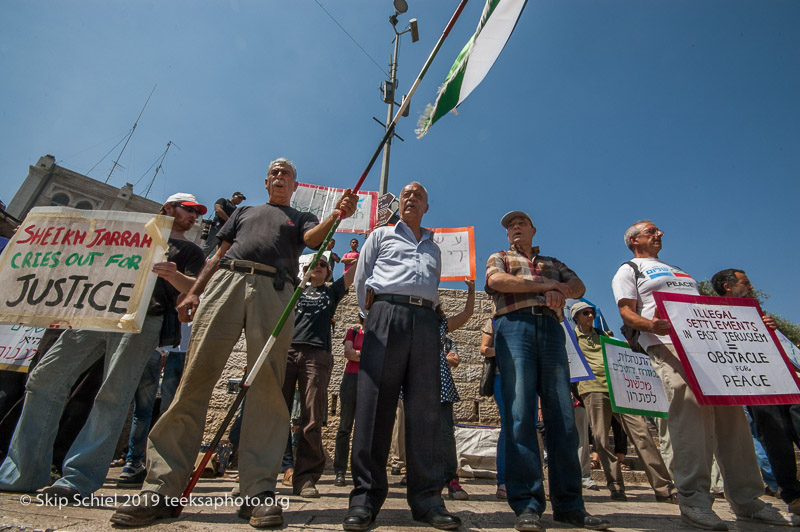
309	368
245	285
27	466
223	208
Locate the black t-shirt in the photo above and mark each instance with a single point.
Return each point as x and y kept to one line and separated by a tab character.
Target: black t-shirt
313	314
227	206
269	234
189	259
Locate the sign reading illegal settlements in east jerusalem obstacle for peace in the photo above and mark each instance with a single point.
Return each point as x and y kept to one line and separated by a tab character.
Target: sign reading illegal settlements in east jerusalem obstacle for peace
633	385
730	356
66	268
320	201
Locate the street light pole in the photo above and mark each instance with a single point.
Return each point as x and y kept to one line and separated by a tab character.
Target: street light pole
384	184
389	87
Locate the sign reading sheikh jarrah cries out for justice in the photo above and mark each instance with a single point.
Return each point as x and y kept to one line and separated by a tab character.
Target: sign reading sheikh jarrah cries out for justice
67	268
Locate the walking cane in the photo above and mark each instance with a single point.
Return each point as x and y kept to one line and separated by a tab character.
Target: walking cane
296	295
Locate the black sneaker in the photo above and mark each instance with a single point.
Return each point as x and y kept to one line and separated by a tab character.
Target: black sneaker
133	481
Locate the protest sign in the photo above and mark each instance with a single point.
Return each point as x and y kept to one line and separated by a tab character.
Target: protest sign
320	201
67	268
579	369
633	385
791	350
18	345
458	252
730	356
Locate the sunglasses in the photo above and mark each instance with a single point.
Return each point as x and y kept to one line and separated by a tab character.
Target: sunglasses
189	209
587	313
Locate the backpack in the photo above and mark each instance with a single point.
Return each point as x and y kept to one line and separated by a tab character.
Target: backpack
630	334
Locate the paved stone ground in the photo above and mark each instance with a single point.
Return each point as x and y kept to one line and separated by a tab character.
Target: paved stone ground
481	512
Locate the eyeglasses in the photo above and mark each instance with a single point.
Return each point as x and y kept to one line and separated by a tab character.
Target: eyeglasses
189	209
650	231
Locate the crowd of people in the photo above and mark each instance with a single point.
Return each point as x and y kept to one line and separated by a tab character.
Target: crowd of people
401	354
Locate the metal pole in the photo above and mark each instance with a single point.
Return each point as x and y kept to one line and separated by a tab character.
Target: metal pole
296	295
384	183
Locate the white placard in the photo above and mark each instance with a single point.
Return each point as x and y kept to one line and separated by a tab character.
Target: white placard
633	385
579	369
458	252
731	354
320	201
18	345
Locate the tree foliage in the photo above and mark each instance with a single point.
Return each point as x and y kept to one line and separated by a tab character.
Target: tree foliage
787	327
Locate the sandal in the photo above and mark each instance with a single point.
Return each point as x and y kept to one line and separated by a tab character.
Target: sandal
625	467
501	492
118	463
594	464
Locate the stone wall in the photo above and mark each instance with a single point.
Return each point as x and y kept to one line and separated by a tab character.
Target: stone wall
472	408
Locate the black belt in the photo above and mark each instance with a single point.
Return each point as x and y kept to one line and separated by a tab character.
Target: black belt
410	300
539	310
256	268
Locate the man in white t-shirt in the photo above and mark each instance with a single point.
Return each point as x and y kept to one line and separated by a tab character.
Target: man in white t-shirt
697	431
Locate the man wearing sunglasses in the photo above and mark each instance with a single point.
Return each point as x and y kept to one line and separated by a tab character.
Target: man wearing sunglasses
27	466
598	407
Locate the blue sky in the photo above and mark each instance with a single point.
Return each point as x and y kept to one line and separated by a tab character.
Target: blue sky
597	114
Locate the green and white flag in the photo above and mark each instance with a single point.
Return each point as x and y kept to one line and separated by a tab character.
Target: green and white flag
498	20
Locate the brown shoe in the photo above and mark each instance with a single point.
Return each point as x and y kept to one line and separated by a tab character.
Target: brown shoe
287	477
263	512
151	506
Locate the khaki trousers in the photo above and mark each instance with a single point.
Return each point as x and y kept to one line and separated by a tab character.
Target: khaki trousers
232	301
598	407
698	432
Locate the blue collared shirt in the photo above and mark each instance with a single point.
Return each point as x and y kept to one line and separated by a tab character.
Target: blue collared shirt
393	262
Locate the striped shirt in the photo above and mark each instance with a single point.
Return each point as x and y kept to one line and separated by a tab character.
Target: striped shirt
516	263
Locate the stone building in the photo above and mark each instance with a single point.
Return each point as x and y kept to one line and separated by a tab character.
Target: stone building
472	408
48	184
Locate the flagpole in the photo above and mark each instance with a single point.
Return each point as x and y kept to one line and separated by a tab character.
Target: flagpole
252	372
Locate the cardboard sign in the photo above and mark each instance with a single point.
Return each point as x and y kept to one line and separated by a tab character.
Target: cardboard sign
320	201
730	356
67	268
458	252
633	385
18	345
579	369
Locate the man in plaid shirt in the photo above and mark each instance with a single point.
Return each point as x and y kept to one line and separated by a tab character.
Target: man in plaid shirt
529	292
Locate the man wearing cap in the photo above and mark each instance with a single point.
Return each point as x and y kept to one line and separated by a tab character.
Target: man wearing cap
246	285
397	281
223	209
27	466
529	291
598	407
698	432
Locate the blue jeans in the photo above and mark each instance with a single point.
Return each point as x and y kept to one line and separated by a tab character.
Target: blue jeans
145	398
27	466
501	440
533	363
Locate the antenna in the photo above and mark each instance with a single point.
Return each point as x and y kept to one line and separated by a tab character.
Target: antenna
116	163
161	162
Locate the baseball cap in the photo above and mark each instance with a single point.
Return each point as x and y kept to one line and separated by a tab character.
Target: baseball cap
187	199
240	194
579	306
513	214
